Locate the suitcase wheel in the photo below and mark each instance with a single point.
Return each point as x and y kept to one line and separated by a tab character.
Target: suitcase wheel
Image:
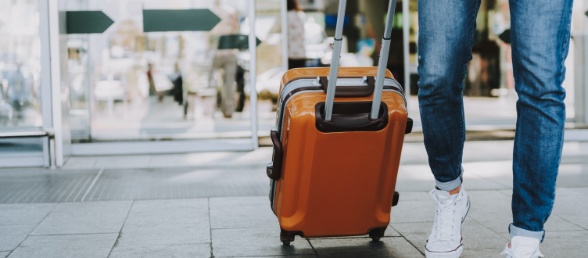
286	237
377	233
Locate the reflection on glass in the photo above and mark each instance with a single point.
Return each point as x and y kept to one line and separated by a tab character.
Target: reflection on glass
20	64
126	84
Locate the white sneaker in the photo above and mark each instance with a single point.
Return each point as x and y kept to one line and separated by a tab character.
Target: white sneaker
445	239
523	247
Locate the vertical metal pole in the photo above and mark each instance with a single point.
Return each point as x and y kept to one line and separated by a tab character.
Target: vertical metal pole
335	57
581	66
253	74
284	16
55	54
46	103
384	53
406	46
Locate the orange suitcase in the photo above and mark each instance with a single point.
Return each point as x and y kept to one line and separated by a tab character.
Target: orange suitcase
334	166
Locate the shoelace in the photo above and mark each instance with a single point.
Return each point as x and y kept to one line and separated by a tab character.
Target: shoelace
444	230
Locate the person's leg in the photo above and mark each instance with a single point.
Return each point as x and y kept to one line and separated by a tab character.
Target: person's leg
240	88
228	96
540	38
446	32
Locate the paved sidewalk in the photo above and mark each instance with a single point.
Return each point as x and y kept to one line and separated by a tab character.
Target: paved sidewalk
216	205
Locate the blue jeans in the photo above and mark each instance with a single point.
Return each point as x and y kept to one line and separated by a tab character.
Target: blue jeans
540	34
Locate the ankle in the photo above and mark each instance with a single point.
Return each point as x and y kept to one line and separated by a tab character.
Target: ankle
455	191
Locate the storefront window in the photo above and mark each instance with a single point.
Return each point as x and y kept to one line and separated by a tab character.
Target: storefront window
128	84
20	65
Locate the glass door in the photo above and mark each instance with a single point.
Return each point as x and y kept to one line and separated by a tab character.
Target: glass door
21	120
167	91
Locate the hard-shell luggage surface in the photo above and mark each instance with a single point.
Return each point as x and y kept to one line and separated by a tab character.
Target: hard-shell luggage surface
335	161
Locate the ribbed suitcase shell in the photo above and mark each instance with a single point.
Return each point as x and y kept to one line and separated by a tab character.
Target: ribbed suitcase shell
335	184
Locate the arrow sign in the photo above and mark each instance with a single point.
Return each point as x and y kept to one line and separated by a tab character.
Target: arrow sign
85	22
179	20
235	41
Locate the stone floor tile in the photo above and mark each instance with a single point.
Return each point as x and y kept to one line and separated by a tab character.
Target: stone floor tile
255	242
160	222
136	161
491	209
412	211
276	256
414	196
363	247
415	232
571	206
80	163
12	236
85	218
242	212
4	254
565	244
573	175
24	214
157	251
147	213
477	238
480	241
87	246
189	159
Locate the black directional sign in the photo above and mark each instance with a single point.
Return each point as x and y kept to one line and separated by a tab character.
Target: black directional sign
179	20
235	41
85	22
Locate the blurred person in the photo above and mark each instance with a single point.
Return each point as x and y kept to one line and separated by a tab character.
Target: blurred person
240	89
20	89
177	91
151	79
540	33
225	59
296	47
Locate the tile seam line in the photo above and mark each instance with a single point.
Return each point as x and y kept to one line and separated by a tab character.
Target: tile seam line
210	228
92	185
31	233
121	229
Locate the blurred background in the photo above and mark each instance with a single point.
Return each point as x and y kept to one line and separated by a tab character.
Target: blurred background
130	90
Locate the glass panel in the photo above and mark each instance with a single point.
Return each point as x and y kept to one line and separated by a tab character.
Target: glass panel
268	28
20	65
126	84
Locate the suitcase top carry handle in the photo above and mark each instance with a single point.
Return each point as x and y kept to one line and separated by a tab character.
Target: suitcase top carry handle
336	55
353	90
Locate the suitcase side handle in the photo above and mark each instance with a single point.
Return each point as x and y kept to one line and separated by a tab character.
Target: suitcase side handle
274	169
351	91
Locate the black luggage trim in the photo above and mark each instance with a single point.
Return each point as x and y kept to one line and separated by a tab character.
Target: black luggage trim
351	116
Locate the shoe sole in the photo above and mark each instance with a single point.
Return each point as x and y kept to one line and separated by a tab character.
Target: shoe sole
453	254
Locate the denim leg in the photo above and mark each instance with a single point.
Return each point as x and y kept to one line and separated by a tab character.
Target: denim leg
540	38
446	31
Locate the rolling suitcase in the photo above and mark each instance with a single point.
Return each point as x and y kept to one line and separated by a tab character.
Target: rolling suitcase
337	145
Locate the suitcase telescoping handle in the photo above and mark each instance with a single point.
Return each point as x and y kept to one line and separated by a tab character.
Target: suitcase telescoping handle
336	55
